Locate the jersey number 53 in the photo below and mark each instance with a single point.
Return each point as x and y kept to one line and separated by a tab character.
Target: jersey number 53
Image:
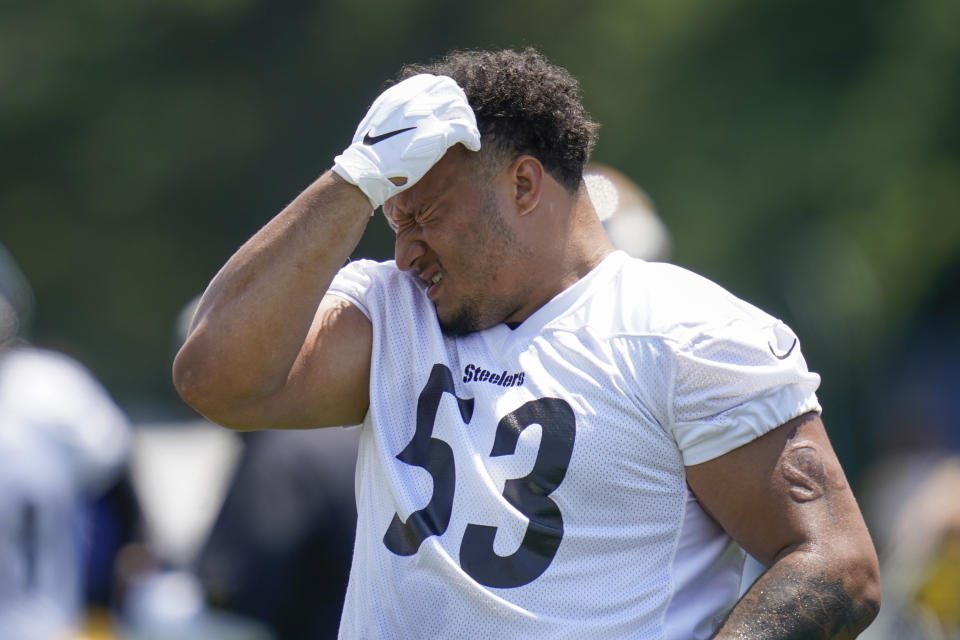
529	494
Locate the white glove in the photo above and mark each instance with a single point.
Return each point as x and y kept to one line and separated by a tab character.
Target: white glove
405	132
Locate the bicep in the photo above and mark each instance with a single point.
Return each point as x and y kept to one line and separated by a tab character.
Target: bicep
783	491
328	383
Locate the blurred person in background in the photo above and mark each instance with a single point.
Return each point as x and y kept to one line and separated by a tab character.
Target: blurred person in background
179	472
63	442
250	534
911	496
919	547
281	546
627	213
558	439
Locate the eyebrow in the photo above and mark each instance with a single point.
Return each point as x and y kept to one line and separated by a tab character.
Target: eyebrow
402	217
394	225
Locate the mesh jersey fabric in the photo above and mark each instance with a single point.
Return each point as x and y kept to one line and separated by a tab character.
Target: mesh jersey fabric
529	482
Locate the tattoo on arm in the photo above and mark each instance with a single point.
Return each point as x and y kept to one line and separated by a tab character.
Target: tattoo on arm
800	598
797	608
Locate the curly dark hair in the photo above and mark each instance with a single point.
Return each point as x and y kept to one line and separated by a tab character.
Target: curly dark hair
524	105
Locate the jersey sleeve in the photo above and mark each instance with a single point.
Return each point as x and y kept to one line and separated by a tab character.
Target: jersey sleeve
736	382
353	283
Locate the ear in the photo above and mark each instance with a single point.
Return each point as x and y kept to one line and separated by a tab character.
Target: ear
527	175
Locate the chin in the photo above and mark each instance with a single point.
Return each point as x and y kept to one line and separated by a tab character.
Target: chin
463	321
455	328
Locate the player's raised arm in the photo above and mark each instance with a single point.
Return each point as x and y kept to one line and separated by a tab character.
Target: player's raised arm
785	499
268	348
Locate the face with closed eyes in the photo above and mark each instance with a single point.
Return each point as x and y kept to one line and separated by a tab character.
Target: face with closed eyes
453	233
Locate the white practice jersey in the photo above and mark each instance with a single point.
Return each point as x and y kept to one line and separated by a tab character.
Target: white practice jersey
529	482
62	439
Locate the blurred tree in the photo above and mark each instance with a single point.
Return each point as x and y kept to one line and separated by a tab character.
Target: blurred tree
805	155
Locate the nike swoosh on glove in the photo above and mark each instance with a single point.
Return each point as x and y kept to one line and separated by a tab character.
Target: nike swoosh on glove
406	131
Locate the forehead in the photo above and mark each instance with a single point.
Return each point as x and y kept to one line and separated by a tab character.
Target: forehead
454	175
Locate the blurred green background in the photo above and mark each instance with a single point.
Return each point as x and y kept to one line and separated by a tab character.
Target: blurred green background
806	155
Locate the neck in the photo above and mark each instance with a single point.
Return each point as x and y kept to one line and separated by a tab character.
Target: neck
566	241
586	242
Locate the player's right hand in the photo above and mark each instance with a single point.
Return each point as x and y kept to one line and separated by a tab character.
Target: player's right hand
406	131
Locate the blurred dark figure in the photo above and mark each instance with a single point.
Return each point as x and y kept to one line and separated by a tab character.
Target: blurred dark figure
63	443
281	547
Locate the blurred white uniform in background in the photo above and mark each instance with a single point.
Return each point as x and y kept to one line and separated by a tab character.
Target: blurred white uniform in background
62	441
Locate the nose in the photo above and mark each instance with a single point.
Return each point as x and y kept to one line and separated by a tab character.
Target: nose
407	249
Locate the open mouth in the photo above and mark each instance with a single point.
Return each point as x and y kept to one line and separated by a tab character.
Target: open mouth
433	285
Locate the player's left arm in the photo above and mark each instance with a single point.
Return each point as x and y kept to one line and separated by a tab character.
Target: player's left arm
785	499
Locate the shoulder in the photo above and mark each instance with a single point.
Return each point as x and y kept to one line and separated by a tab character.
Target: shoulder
380	290
666	301
365	282
688	298
362	274
357	276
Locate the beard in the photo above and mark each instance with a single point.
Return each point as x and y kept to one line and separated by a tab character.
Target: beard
464	321
493	239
